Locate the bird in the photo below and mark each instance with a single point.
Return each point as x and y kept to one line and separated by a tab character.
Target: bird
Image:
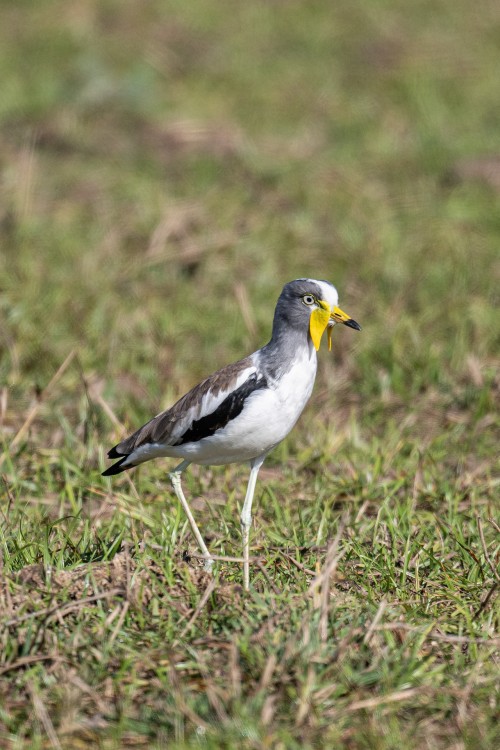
244	410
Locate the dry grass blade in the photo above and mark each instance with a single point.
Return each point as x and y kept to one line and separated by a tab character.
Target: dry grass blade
436	635
43	717
298	565
36	407
246	309
304	704
204	599
485	551
64	609
26	661
396	697
119	623
322	580
234	670
494	524
375	621
268	671
227	558
268	578
486	600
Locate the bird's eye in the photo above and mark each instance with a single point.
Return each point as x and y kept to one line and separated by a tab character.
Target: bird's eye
308	299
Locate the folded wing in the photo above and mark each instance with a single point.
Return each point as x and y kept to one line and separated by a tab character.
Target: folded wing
204	410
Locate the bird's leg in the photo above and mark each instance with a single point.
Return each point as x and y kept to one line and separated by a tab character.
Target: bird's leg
246	518
175	478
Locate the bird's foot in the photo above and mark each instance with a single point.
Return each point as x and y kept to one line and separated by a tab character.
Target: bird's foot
208	565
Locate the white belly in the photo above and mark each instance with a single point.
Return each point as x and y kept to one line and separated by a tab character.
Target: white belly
267	417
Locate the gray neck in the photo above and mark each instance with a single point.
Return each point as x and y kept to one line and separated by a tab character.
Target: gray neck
286	346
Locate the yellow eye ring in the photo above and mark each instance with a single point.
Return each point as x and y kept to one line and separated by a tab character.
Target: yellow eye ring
308	300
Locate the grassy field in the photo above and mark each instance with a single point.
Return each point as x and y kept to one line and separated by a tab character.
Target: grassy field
166	168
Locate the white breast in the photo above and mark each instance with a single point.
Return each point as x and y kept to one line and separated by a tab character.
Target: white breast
267	417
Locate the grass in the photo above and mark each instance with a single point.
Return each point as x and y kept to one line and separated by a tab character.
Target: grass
166	168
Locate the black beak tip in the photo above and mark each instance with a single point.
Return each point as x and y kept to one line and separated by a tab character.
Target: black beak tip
352	324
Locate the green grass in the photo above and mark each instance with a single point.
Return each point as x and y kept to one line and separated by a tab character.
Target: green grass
166	167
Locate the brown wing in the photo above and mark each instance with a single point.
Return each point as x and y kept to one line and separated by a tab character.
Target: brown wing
169	426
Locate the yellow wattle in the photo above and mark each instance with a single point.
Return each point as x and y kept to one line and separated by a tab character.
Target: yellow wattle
317	324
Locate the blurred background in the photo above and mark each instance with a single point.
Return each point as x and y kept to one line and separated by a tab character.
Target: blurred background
168	166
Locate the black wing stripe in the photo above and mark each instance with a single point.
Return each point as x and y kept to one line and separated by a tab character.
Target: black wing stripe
113	453
229	409
116	468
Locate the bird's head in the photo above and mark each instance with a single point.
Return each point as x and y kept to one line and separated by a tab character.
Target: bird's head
312	305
